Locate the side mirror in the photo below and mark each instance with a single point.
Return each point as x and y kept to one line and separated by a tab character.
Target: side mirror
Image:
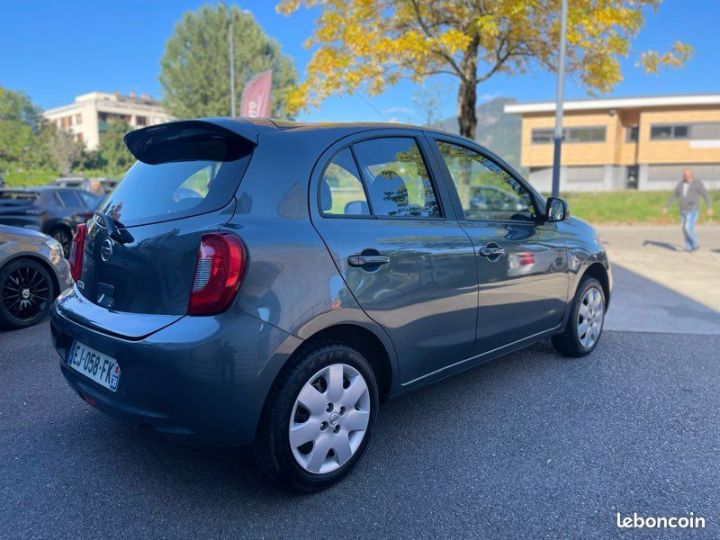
556	210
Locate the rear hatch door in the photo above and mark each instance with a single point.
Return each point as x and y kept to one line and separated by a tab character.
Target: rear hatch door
141	246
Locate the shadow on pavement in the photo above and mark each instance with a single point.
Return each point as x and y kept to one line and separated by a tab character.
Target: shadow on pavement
639	304
665	245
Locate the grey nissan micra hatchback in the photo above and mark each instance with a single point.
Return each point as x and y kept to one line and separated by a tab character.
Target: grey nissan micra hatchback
270	283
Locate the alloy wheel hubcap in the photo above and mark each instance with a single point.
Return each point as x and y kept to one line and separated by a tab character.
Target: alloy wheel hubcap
329	418
590	317
26	293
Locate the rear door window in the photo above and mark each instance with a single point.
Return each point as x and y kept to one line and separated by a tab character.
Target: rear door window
396	178
172	190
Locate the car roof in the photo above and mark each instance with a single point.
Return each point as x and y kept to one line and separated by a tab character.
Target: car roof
350	127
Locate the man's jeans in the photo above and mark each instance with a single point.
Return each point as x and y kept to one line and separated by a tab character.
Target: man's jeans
688	224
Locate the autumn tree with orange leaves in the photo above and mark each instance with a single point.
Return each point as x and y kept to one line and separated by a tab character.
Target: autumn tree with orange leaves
370	44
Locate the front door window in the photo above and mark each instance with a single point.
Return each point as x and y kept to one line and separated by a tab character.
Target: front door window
487	191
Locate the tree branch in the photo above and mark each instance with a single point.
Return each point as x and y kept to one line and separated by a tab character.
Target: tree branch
450	60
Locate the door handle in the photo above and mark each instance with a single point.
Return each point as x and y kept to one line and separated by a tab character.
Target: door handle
492	251
368	260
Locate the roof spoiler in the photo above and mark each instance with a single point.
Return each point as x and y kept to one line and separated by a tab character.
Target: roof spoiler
221	139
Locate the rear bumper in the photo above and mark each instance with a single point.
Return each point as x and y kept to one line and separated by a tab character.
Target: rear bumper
201	380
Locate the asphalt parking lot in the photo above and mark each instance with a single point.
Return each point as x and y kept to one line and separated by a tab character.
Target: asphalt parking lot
529	445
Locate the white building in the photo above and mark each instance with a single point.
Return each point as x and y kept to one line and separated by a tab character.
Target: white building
90	114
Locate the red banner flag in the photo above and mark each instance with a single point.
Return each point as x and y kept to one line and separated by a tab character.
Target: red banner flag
256	96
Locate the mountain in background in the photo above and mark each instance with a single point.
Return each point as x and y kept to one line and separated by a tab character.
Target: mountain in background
497	131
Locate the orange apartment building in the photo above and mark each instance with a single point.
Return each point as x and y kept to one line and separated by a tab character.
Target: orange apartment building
631	143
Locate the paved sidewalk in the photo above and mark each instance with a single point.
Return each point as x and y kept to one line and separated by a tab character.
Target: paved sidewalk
658	286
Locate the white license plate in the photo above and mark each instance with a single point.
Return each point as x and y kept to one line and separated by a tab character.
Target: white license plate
95	365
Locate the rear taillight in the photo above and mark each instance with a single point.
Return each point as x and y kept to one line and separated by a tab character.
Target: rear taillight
218	273
76	251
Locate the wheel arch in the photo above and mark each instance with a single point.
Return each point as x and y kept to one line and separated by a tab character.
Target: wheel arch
598	271
355	335
361	338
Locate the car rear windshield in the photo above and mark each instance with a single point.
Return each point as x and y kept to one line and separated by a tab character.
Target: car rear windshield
176	189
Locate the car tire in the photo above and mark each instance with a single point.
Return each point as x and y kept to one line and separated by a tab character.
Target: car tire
26	293
306	402
585	324
64	236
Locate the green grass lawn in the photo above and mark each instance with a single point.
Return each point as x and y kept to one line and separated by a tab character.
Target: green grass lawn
631	207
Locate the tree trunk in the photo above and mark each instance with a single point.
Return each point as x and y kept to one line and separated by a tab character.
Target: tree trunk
467	92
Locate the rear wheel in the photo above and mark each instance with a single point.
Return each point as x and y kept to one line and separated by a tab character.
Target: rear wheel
318	418
26	293
585	324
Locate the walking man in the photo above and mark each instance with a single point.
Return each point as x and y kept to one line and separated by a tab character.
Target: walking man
688	193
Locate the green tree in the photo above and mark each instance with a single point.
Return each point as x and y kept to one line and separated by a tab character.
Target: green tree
20	122
65	150
112	154
195	66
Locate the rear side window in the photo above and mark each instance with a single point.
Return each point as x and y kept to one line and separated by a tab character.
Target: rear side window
68	198
341	191
397	180
166	191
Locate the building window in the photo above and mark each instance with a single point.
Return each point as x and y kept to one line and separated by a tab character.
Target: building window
141	121
705	130
570	135
542	136
585	134
632	134
79	137
78	119
666	132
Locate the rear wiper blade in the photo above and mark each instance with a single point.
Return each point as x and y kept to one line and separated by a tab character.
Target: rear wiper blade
115	229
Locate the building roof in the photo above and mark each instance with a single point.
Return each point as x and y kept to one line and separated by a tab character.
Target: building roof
106	99
616	103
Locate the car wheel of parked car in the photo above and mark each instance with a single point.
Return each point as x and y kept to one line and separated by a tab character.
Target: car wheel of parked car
318	417
64	236
26	293
585	324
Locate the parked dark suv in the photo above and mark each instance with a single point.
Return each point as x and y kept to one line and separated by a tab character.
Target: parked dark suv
269	283
50	210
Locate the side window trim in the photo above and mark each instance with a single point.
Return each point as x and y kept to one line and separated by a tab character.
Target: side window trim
426	162
536	198
362	180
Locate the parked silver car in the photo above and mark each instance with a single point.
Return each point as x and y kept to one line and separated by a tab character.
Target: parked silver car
33	272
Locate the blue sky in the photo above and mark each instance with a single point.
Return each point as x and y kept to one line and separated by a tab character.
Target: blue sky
55	50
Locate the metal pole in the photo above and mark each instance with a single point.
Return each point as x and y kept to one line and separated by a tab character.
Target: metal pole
231	51
557	136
